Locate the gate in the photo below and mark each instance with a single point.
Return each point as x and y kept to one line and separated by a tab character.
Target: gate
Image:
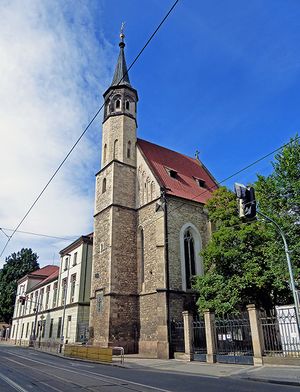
233	339
177	336
199	340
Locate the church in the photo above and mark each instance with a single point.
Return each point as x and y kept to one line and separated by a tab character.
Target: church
150	225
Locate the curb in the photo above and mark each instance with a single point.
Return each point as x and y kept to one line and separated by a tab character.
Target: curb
272	381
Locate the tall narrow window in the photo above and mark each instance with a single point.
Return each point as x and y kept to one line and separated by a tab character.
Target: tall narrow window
127	105
116	152
129	149
47	297
51	328
59	327
54	294
63	290
104	153
104	185
118	104
73	283
141	260
189	258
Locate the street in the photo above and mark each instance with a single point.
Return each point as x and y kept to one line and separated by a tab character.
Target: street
27	370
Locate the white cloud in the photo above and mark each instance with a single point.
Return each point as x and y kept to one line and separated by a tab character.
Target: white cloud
53	70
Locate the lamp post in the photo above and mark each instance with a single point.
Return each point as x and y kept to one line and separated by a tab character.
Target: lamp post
62	338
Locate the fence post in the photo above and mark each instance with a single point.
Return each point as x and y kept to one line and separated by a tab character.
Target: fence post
209	319
188	335
256	336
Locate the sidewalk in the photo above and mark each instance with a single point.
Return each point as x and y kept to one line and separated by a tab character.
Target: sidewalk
285	375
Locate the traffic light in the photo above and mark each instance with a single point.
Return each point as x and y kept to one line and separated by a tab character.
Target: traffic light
247	202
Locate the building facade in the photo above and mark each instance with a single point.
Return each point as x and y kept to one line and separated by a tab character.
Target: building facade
52	303
150	224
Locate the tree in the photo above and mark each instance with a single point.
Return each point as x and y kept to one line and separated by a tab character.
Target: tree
238	269
16	266
279	198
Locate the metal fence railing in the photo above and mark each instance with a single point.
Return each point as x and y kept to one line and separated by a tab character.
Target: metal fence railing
177	336
280	332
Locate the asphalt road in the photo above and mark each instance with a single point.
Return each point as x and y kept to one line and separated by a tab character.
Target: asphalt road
26	370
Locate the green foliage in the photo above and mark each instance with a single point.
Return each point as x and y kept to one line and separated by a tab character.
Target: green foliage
237	263
16	266
279	198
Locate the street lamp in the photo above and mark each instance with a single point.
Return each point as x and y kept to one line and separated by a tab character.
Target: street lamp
62	338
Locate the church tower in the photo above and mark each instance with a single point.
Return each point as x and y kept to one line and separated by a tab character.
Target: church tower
114	301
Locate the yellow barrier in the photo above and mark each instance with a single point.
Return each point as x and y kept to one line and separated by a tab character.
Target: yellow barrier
99	354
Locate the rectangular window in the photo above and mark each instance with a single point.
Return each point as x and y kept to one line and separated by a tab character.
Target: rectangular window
63	290
54	294
32	326
43	328
51	328
59	327
22	330
30	302
38	332
73	284
99	301
13	331
27	329
66	263
68	326
75	259
47	297
41	299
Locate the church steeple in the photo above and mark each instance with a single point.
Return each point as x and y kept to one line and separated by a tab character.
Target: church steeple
120	98
121	73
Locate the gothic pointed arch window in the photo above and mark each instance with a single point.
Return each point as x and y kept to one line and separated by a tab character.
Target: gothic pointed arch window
118	104
129	149
189	258
191	262
140	257
116	147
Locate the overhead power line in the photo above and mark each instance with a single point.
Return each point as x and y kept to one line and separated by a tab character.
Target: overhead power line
85	129
38	234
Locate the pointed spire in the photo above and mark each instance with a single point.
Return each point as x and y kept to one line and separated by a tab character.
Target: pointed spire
121	74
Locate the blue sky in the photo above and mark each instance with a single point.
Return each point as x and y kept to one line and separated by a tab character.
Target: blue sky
220	77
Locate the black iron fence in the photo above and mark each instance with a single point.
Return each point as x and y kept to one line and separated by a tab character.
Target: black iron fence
199	340
280	332
233	339
177	336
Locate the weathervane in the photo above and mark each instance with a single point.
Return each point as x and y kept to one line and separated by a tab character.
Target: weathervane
122	35
197	154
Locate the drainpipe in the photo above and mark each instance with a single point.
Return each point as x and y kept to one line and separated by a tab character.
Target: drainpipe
167	273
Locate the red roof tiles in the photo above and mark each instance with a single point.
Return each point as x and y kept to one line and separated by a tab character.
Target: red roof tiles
45	271
188	171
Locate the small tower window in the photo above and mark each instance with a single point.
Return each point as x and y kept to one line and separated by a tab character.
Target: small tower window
104	185
116	152
127	105
129	149
104	153
118	104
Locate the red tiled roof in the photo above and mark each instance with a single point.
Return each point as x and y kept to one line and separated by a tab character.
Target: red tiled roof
188	170
45	271
52	272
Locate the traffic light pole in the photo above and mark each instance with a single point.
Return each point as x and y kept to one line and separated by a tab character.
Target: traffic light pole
287	254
